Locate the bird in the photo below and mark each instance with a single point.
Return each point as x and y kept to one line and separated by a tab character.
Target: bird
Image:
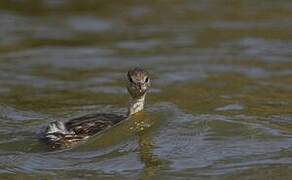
66	134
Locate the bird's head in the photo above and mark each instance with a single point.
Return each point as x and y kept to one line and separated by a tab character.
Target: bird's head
138	82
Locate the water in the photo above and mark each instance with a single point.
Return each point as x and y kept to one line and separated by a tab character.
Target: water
220	105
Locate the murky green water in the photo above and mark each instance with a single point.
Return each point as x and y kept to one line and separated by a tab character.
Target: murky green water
220	105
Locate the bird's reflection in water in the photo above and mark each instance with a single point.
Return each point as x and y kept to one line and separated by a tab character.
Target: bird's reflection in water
152	164
142	125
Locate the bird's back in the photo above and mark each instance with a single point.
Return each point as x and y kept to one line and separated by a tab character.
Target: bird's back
59	134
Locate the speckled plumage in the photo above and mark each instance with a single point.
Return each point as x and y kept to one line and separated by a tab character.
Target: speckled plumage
60	134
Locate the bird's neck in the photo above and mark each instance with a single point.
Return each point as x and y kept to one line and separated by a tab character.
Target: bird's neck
136	104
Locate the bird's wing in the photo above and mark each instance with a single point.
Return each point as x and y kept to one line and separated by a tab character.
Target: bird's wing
92	123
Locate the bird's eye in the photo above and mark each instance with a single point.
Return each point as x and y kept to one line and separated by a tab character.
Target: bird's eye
147	80
131	80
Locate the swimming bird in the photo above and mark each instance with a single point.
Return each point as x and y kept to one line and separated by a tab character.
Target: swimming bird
65	134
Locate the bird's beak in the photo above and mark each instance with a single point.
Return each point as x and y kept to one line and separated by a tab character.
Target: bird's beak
142	87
